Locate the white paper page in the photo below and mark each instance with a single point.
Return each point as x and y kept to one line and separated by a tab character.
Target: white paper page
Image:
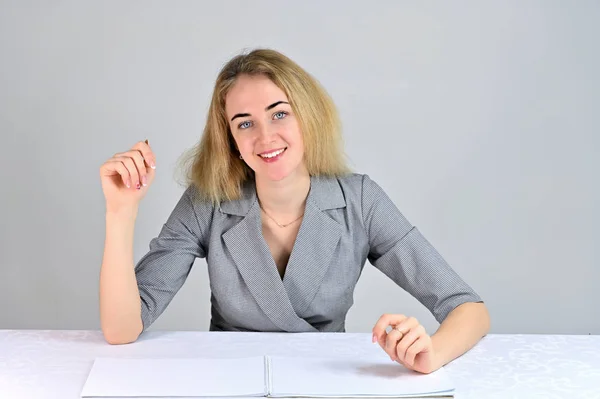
185	377
327	377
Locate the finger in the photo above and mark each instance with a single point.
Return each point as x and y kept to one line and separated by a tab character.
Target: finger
138	159
133	171
386	320
407	324
408	340
144	148
115	165
391	342
417	347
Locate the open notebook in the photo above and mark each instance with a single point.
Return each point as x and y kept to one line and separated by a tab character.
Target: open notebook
261	376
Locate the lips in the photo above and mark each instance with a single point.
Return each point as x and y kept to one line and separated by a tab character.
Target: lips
272	155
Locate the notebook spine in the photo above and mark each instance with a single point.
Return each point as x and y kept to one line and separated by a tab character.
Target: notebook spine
268	377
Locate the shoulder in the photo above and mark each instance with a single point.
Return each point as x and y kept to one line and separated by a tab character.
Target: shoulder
357	192
351	181
192	197
369	199
193	211
360	189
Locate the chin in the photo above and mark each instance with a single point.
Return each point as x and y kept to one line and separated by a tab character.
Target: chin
281	172
277	176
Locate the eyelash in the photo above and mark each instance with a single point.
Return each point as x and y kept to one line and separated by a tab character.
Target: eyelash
285	113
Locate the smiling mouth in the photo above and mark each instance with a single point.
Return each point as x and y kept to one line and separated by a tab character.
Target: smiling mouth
272	154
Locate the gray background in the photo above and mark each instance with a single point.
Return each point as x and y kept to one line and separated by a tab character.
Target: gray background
480	119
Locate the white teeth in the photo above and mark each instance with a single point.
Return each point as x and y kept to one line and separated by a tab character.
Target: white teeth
272	154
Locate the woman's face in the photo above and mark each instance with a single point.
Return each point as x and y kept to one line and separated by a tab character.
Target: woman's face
264	128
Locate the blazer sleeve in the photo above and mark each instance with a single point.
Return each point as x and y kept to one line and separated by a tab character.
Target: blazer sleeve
403	254
161	272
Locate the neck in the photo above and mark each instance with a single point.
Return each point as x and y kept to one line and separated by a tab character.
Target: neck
285	197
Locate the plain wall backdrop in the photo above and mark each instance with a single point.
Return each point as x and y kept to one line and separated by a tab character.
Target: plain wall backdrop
479	119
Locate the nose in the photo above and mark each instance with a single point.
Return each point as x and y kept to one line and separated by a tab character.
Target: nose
267	133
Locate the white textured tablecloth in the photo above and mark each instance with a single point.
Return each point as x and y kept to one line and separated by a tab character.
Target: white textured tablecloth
55	364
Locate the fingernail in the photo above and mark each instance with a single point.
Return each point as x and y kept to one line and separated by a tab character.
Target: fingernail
128	183
144	181
146	141
152	165
137	185
373	339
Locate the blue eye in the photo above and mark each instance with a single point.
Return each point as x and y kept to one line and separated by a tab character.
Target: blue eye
244	125
282	114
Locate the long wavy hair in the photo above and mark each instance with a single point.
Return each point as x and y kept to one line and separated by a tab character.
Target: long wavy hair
214	166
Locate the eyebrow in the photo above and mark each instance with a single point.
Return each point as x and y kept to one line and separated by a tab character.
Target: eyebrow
266	109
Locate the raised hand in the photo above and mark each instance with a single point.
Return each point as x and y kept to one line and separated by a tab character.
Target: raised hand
126	176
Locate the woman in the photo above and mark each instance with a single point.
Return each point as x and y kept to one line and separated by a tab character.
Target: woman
284	226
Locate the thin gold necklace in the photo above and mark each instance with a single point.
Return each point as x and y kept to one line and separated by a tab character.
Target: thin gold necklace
276	222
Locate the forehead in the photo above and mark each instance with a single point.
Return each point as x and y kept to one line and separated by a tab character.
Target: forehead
251	93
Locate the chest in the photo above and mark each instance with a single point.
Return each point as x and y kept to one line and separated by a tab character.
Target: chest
281	242
322	256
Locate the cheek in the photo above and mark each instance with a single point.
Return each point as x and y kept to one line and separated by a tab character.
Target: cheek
244	144
293	133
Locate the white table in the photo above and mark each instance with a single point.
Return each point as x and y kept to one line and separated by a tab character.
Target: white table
55	364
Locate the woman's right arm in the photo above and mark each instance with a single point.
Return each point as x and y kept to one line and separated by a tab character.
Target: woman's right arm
120	307
125	179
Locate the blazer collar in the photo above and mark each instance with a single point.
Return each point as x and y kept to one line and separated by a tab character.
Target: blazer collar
325	192
287	302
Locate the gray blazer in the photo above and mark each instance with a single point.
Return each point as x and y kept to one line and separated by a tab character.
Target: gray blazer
346	221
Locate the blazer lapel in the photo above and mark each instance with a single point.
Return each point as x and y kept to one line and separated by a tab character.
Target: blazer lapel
315	244
253	259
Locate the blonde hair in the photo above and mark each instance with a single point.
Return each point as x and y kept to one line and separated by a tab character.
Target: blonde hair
214	164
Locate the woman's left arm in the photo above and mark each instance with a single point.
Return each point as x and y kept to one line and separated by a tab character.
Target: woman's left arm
409	344
460	331
402	253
